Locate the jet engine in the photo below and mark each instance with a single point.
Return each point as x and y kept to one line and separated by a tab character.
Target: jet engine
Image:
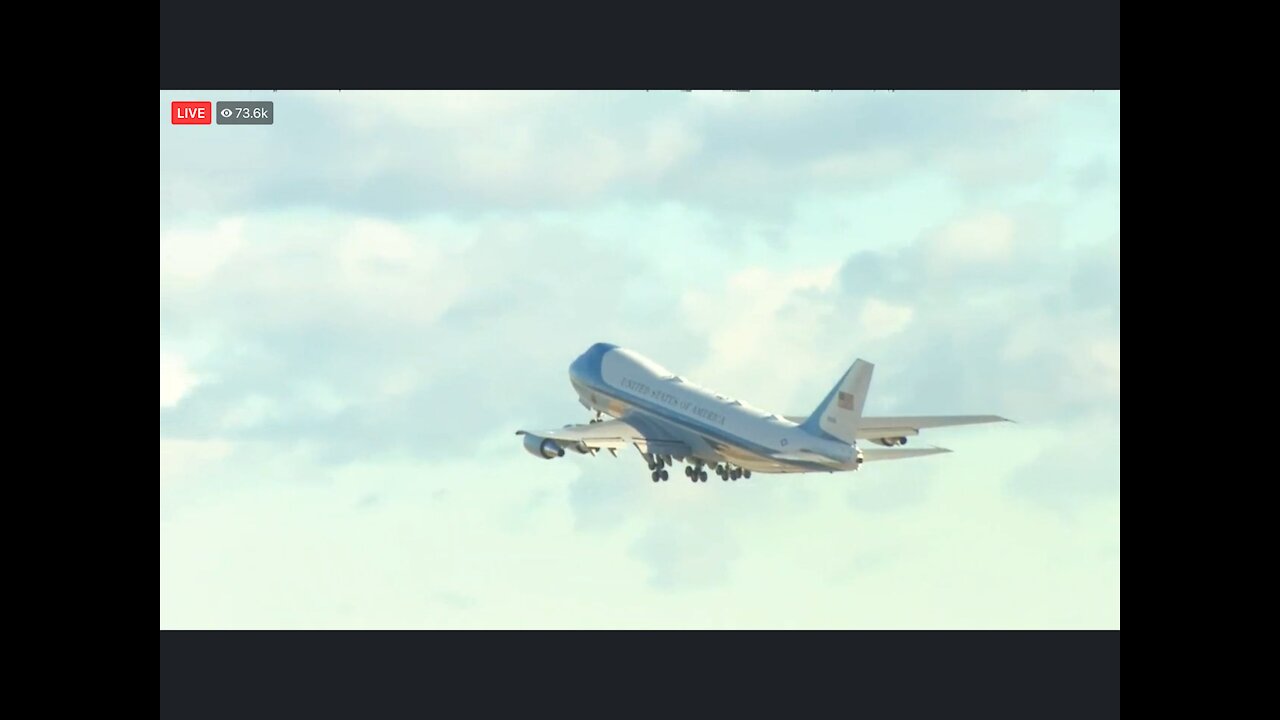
890	441
543	447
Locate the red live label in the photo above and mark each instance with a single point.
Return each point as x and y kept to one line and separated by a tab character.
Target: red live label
192	113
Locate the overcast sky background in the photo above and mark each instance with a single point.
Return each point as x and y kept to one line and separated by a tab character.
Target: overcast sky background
361	303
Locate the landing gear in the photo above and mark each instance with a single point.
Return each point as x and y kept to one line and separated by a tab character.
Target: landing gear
656	464
728	472
695	472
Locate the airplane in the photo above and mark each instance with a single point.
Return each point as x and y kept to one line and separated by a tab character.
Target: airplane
669	419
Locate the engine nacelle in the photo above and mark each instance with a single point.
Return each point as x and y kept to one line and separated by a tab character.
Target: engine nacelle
543	447
890	442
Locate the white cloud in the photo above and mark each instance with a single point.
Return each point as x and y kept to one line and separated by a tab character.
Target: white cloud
985	238
861	166
1105	356
985	166
176	379
668	143
249	412
436	110
764	326
192	256
189	460
881	319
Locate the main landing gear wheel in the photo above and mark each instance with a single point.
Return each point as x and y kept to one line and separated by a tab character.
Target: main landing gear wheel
655	475
663	474
746	474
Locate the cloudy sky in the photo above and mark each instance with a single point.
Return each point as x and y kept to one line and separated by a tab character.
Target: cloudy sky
361	303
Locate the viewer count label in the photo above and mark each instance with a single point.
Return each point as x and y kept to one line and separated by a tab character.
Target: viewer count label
191	113
244	112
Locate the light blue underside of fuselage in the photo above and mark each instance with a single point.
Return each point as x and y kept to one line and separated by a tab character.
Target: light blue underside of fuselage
587	377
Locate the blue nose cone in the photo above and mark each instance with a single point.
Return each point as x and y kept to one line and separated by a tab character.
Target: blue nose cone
586	368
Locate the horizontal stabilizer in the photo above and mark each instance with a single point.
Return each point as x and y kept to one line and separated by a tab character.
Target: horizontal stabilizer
874	454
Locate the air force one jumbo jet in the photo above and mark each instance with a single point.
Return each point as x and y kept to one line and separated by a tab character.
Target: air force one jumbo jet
670	419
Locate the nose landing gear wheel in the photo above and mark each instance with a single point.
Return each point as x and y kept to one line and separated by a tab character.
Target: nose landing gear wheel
663	474
654	475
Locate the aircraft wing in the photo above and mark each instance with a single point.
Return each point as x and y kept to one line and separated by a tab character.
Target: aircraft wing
873	454
872	428
613	435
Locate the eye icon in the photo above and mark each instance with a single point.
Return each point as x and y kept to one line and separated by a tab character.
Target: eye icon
226	112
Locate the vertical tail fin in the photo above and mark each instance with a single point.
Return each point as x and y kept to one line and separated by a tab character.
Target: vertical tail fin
838	415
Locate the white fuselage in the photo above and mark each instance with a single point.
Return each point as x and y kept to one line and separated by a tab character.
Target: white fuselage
625	384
